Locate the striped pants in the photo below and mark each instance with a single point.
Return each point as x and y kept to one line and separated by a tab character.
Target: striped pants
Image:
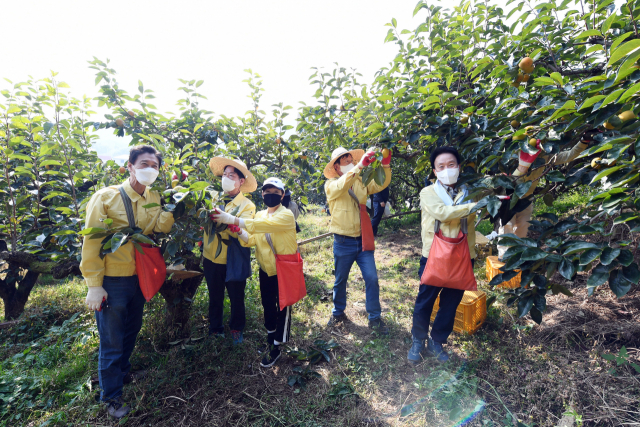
277	322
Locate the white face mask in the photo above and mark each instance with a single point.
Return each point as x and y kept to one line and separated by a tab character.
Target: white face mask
448	176
347	168
228	185
146	176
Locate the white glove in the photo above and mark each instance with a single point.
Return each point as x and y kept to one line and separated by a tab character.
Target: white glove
242	234
491	235
224	217
95	294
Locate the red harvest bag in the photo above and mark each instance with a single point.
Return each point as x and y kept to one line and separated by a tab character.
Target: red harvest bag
150	266
291	285
449	261
151	270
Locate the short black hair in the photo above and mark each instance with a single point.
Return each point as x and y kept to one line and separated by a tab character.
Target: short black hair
142	149
443	150
240	174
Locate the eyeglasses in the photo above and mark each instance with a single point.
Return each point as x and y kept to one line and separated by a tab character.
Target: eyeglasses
230	175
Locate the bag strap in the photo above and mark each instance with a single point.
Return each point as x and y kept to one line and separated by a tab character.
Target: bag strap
464	227
273	249
353	195
270	242
127	207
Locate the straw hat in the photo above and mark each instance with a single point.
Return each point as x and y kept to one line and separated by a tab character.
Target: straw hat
329	171
217	165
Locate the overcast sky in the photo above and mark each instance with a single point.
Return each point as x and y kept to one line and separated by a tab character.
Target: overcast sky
159	42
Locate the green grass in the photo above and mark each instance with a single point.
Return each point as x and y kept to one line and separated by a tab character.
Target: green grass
48	359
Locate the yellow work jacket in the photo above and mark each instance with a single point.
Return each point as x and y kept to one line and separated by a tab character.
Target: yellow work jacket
247	211
433	208
345	213
282	226
562	158
107	203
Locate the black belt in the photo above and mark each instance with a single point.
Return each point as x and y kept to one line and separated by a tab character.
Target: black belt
347	237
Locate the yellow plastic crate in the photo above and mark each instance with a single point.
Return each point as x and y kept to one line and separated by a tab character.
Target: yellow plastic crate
470	314
493	269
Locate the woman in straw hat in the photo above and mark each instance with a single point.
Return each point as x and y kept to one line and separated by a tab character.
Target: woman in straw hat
231	268
276	223
351	226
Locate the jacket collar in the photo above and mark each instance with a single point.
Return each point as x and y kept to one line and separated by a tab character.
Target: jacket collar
237	201
133	194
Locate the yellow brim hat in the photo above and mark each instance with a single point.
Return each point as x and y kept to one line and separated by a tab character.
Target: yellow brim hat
217	165
329	171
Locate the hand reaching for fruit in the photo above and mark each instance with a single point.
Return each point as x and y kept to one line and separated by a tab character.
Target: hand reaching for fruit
234	228
367	159
223	217
386	157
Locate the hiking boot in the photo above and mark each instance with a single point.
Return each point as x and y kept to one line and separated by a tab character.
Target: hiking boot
237	337
117	409
132	376
434	349
378	326
335	320
417	347
272	357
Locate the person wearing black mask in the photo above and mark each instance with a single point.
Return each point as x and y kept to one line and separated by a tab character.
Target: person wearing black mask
278	223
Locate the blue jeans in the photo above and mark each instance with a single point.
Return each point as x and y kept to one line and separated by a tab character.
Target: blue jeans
378	211
346	251
118	325
443	323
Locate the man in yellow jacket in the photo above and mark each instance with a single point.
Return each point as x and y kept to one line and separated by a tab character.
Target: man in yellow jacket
519	223
445	202
231	268
113	290
344	185
278	224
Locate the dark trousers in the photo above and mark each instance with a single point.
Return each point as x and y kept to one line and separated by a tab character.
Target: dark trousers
277	322
215	275
443	323
378	212
119	322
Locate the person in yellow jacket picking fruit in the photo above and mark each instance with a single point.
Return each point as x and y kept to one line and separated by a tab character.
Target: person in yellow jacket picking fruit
446	202
231	268
352	230
276	223
113	290
519	223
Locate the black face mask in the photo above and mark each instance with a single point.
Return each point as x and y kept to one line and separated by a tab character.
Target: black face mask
272	200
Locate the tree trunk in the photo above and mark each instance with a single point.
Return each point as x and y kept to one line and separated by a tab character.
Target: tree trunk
15	297
178	296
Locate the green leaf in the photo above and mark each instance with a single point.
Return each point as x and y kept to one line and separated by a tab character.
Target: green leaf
198	186
590	101
588	33
522	188
117	240
142	238
65	232
151	205
567	269
618	285
380	176
623	51
575	247
625	258
533	254
524	305
589	256
91	230
631	273
598	277
608	255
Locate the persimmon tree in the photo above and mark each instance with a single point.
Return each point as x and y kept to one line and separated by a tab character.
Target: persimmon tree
47	173
487	81
188	140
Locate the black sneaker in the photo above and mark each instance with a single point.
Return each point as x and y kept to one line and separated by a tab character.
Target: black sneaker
335	320
379	326
272	357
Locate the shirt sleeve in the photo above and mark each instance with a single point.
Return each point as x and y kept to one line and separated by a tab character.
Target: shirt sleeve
164	223
251	241
92	266
283	221
570	155
373	186
441	212
337	187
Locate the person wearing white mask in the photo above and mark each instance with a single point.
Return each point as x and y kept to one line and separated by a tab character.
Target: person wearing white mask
353	239
113	289
231	268
445	201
